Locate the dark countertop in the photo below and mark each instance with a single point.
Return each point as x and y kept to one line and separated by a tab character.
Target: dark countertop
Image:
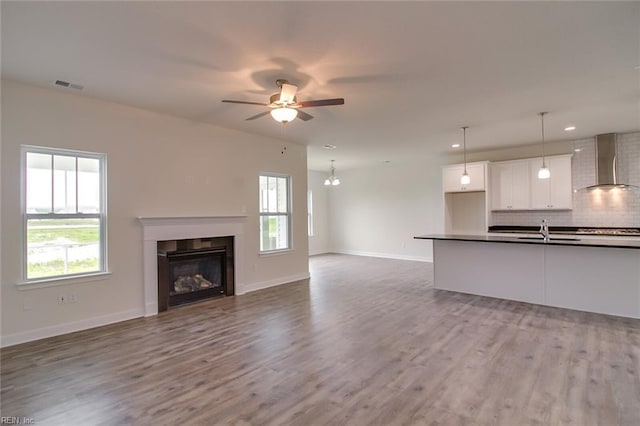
560	241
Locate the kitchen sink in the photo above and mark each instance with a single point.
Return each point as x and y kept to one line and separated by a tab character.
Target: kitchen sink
551	238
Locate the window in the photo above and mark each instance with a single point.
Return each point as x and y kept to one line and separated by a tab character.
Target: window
275	212
310	213
64	213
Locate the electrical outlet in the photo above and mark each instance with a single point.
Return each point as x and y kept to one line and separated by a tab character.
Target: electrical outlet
73	298
62	299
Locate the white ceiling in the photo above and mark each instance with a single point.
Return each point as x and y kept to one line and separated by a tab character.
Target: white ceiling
411	73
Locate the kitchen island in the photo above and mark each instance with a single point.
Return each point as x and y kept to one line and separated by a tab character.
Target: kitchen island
594	275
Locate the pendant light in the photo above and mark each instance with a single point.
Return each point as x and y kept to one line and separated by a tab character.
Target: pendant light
332	180
544	172
465	179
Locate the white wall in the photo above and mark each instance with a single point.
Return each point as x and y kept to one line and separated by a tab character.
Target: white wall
378	210
158	165
319	242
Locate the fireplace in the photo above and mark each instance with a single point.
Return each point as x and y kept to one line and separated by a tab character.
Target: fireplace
194	269
175	228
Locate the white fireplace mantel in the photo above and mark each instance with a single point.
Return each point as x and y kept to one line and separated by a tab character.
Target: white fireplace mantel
156	229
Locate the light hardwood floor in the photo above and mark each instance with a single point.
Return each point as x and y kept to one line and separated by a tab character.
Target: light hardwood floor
365	342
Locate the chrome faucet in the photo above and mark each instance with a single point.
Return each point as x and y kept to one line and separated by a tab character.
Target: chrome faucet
544	230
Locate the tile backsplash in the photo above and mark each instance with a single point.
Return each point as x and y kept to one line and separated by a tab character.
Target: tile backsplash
596	208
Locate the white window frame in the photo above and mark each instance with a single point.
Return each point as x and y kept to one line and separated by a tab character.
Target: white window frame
287	214
101	215
310	213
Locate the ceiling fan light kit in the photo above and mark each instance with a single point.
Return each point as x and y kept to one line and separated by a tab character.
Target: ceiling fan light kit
284	114
285	106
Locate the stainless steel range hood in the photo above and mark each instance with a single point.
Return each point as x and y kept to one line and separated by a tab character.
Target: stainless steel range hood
607	175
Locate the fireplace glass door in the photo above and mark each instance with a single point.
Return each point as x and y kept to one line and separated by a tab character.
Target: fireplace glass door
195	274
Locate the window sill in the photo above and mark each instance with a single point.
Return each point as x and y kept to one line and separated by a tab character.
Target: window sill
275	252
54	282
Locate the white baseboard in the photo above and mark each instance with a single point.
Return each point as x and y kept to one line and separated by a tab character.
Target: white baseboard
69	327
316	253
246	288
383	255
151	309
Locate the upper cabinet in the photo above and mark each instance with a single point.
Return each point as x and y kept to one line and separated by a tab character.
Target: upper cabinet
515	184
451	177
554	193
510	186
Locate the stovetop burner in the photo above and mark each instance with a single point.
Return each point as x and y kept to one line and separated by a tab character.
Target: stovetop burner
609	231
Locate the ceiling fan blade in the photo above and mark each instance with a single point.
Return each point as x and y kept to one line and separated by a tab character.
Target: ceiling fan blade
244	102
321	102
253	117
304	116
288	93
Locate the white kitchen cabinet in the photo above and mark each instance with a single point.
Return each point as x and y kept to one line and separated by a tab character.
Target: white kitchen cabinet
556	192
510	185
451	177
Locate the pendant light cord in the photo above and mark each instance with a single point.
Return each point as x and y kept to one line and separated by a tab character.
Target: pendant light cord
464	147
542	119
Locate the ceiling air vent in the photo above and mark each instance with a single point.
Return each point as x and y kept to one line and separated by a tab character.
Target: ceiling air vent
63	83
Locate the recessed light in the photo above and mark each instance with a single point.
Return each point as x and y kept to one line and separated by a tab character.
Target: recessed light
569	128
455	145
387	161
578	149
329	146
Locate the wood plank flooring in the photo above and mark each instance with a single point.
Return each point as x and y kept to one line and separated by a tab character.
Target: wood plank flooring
364	342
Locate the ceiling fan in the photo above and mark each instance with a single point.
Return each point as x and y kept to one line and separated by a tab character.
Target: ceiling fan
284	106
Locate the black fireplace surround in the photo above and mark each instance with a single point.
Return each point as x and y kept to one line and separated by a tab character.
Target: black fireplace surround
194	269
